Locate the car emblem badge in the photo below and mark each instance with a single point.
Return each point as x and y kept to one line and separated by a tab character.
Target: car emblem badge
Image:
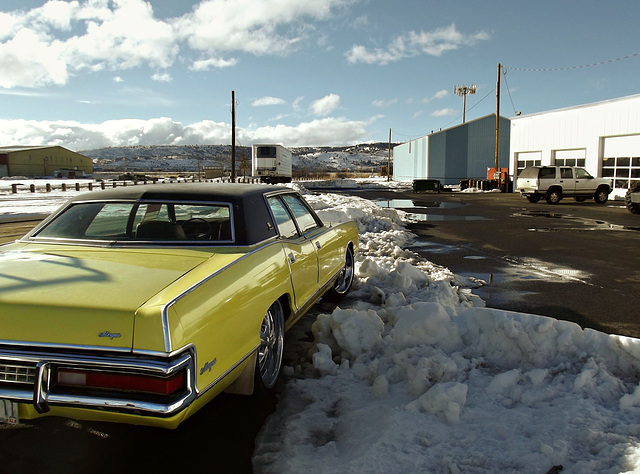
110	335
208	366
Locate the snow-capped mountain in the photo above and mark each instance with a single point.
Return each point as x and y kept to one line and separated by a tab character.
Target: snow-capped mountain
356	158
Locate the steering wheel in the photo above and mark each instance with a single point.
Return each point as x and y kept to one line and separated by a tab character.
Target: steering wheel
197	228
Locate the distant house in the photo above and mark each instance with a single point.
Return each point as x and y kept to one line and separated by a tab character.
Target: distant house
43	161
465	151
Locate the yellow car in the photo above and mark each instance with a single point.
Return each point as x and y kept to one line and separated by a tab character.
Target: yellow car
140	304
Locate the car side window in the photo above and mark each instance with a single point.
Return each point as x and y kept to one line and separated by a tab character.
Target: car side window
566	173
303	216
547	173
582	174
284	221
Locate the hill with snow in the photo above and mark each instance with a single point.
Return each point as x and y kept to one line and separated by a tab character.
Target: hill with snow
190	158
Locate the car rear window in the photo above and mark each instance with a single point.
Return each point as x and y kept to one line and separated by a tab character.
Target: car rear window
529	173
142	222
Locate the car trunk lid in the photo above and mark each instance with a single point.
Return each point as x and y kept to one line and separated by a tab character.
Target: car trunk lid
81	296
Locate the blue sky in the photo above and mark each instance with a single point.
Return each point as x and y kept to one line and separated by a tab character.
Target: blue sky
91	73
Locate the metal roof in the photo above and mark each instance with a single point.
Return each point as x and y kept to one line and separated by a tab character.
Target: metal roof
9	149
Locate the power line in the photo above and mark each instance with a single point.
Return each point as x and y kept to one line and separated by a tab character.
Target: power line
504	74
566	68
470	108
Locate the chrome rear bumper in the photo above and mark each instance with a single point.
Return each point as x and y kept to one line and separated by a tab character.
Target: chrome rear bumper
27	377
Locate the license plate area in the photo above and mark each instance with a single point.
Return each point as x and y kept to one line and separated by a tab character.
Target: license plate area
9	412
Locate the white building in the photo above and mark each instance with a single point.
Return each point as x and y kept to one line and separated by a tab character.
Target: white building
604	137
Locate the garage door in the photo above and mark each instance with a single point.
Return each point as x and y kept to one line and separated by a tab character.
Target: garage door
528	158
621	160
575	157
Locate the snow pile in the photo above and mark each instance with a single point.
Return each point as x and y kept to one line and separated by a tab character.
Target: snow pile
413	374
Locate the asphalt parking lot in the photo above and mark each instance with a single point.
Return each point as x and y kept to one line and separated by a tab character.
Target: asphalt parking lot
574	261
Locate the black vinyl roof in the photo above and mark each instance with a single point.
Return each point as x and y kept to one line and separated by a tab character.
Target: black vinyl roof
252	218
225	192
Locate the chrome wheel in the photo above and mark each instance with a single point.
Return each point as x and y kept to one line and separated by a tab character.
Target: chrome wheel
344	280
271	346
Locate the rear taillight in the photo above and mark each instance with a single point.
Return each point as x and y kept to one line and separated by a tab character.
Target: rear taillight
74	378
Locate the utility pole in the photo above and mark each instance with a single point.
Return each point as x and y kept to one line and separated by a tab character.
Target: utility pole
463	91
498	117
389	159
233	136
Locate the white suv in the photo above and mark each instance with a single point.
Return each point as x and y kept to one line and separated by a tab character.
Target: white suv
555	182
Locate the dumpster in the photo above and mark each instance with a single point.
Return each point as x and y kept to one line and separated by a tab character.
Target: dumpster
424	185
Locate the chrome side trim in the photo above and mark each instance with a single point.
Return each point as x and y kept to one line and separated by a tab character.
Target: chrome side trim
150	353
165	309
44	345
317	294
231	369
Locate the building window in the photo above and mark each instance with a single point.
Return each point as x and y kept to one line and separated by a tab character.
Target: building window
623	170
522	164
575	157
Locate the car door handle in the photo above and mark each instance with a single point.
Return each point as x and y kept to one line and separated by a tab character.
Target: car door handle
318	245
292	257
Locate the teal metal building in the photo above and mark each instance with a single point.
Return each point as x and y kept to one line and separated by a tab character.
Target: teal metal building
462	152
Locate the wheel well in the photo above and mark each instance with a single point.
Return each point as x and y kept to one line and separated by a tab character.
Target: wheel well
555	188
350	245
285	300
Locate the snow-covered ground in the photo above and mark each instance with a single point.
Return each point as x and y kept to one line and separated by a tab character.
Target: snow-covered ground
412	373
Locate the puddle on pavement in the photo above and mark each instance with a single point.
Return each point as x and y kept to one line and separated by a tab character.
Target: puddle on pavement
585	224
432	247
495	288
411	203
440	217
418	210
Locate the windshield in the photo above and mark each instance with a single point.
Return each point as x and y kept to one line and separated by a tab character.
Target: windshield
142	222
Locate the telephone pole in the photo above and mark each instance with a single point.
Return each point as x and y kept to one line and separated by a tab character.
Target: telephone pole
389	159
233	136
498	117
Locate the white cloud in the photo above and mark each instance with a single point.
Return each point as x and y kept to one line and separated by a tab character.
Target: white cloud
206	64
127	36
161	77
38	50
325	132
326	105
165	131
263	27
297	103
117	79
384	103
443	113
433	43
361	22
441	94
49	44
28	60
268	101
